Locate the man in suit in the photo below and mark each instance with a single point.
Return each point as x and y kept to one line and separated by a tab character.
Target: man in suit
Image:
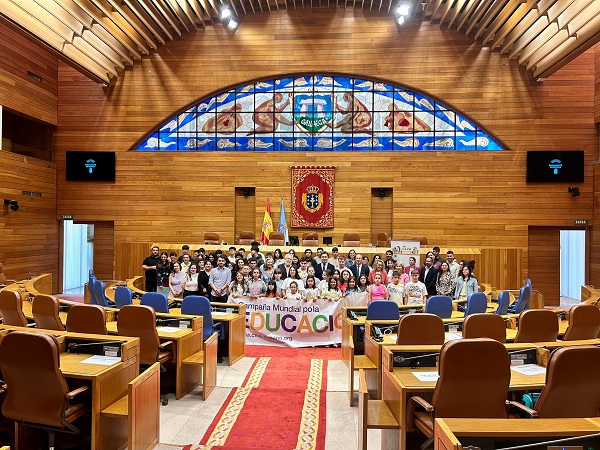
359	268
323	265
285	267
429	276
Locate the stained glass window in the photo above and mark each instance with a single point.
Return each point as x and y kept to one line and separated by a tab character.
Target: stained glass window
318	113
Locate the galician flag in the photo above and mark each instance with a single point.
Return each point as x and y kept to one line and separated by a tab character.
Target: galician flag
282	227
267	225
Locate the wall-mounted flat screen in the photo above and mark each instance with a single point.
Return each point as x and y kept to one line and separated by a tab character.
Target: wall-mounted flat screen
555	166
90	166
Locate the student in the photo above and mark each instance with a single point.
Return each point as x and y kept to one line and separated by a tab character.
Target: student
352	287
324	284
293	277
278	281
231	257
377	291
257	286
311	291
466	284
238	286
190	284
272	290
293	293
176	280
396	288
415	292
363	283
345	276
333	293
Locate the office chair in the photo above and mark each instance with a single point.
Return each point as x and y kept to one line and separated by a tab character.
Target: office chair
310	238
100	295
3	280
86	319
537	325
584	322
420	329
572	389
140	321
523	301
481	364
197	305
440	305
276	238
503	303
37	393
91	284
156	300
11	308
383	240
476	303
45	312
382	310
484	325
212	238
123	296
351	240
247	237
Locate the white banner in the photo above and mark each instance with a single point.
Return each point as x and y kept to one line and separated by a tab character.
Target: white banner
295	323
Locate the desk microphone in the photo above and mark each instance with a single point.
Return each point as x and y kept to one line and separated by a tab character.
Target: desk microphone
352	315
550	443
163	321
73	345
402	359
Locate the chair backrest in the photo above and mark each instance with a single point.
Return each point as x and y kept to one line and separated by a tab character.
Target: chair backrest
45	312
100	293
584	322
276	238
2	276
382	310
156	300
247	237
421	239
86	319
197	305
36	387
484	325
123	296
440	305
420	329
483	366
351	239
528	282
476	303
211	238
523	302
91	288
537	325
503	302
572	388
11	308
383	240
140	321
310	238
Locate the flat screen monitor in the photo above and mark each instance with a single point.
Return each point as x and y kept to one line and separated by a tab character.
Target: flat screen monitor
90	166
555	166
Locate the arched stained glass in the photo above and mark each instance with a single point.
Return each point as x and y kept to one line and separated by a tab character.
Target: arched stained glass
318	113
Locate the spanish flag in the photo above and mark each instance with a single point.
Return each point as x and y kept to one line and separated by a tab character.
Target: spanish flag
267	225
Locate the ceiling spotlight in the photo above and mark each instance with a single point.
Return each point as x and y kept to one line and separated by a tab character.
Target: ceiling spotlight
401	20
232	24
14	205
225	12
403	9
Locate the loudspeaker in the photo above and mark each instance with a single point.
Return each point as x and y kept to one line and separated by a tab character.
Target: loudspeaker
382	192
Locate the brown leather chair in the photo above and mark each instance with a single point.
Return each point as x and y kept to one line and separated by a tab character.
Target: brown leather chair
45	312
140	321
276	238
37	393
537	325
86	319
420	329
247	237
3	280
211	238
310	238
383	240
584	322
421	239
484	325
11	308
572	389
483	366
351	240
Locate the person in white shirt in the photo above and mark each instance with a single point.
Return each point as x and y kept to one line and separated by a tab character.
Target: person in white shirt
415	292
293	293
452	264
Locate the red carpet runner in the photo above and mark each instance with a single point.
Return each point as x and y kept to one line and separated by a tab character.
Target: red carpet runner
281	405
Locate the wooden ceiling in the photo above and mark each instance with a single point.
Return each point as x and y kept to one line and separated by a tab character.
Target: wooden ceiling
103	37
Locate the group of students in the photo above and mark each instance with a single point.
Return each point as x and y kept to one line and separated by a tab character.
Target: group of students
304	277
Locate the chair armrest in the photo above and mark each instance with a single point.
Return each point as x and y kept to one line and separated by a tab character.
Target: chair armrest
165	344
424	403
411	411
531	412
71	395
31	325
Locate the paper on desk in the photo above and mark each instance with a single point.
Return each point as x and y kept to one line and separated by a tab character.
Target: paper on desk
102	360
453	336
169	329
426	376
219	313
529	369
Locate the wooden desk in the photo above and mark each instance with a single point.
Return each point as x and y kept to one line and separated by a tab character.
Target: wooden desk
451	434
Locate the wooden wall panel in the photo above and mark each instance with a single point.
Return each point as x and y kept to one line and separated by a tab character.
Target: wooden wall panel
594	234
104	250
461	199
247	218
597	84
18	91
382	213
28	237
544	262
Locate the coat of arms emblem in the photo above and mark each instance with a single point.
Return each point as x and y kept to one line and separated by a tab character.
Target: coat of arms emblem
312	199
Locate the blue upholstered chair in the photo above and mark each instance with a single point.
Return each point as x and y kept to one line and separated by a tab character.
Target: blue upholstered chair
99	293
91	283
523	302
503	302
476	303
123	296
156	300
197	305
383	310
440	305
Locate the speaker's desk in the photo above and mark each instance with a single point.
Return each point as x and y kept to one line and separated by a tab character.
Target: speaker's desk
488	434
399	383
107	384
